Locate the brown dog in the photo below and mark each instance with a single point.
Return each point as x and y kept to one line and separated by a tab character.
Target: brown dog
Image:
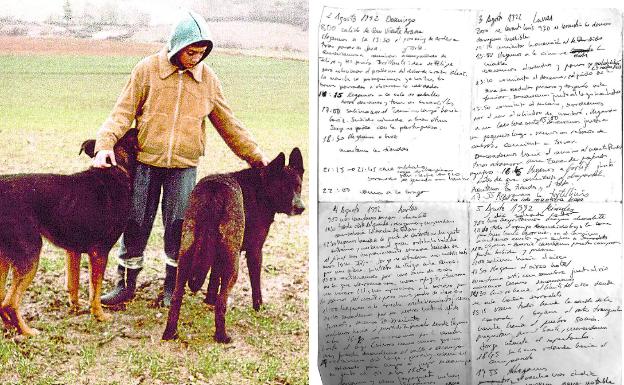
81	213
228	213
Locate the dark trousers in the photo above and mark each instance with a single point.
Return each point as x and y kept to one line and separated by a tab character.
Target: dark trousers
176	185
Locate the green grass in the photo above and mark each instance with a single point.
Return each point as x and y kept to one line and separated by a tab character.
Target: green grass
49	105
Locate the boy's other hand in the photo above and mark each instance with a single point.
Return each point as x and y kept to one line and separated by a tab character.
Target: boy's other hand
101	158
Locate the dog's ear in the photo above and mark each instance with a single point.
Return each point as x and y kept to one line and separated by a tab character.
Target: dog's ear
88	146
295	160
276	165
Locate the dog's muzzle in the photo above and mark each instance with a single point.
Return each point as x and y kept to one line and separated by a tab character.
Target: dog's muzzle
297	206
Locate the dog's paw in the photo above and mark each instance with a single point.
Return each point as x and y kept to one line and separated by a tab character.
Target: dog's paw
169	335
27	331
222	338
74	308
102	316
257	306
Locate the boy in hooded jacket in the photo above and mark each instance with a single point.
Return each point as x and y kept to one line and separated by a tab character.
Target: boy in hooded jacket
168	95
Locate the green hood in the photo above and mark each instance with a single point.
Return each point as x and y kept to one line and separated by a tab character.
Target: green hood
192	28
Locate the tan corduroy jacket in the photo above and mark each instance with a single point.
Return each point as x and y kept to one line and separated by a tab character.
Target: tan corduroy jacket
170	107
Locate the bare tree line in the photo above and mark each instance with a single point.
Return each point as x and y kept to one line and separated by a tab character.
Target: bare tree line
117	12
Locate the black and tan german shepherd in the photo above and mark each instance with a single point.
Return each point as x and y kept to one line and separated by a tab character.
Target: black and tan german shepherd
228	213
84	212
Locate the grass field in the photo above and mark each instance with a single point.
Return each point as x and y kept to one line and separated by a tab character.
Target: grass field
49	105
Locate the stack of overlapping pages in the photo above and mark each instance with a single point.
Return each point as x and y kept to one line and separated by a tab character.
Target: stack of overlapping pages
470	196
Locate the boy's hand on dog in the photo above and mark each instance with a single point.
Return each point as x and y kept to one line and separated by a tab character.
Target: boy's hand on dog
257	163
101	159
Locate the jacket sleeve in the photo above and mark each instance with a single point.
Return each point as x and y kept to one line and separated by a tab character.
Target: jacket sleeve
127	107
232	131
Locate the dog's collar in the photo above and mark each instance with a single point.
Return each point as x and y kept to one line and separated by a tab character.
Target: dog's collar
125	171
120	173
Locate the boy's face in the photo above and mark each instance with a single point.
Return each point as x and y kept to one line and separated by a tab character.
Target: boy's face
190	55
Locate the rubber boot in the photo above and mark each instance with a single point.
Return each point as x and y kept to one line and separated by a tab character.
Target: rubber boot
170	279
125	288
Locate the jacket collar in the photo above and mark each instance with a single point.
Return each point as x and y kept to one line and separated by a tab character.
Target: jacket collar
166	69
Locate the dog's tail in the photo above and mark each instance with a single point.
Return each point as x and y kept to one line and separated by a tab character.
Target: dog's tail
202	253
198	274
196	254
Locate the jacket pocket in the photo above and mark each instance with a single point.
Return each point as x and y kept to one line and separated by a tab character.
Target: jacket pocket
191	137
153	133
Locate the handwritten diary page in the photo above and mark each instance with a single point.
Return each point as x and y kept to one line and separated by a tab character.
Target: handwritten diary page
545	293
470	197
394	100
393	293
546	191
546	117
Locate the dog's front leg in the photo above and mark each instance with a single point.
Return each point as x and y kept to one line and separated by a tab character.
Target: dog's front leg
72	279
254	262
97	266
